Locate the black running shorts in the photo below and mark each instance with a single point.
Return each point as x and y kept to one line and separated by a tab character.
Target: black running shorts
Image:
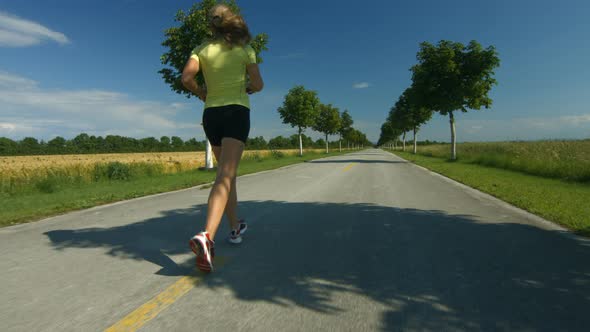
226	121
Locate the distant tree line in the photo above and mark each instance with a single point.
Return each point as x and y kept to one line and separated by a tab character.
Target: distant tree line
89	144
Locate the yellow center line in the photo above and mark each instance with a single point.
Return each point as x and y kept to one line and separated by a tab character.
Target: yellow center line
153	307
348	167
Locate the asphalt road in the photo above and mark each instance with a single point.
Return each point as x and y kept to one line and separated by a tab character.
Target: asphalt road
363	241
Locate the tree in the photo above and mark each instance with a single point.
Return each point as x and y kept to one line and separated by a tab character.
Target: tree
345	126
279	142
114	143
82	143
399	118
417	114
388	134
165	143
8	147
29	146
194	145
356	138
149	144
56	145
350	137
327	121
295	139
177	143
300	109
319	143
256	143
99	143
359	139
408	114
451	77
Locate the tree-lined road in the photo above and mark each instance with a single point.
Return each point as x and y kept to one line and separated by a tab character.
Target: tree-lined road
363	241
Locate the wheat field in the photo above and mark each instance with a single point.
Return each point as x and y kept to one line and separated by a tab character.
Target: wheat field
172	161
33	165
24	173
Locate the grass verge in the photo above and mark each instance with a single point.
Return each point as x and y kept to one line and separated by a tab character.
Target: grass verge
22	208
559	159
565	203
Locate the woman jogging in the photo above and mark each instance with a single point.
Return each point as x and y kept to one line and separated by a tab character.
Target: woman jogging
226	62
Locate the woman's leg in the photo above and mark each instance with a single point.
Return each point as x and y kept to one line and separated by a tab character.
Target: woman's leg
231	208
227	166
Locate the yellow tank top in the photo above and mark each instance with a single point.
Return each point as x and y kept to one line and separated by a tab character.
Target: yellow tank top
224	69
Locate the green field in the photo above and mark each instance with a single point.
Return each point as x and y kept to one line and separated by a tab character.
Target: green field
566	160
562	201
114	182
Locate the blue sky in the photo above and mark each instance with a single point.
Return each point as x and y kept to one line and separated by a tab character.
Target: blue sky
76	66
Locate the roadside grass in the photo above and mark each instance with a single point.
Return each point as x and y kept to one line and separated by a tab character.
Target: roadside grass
563	202
559	159
63	194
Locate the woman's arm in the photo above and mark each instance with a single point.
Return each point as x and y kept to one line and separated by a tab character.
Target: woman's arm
188	79
256	83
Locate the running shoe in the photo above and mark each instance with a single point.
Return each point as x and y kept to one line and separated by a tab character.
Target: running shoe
234	237
243	226
204	248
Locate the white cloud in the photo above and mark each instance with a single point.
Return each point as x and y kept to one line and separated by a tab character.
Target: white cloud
28	109
8	127
576	120
361	85
550	123
9	81
180	106
18	32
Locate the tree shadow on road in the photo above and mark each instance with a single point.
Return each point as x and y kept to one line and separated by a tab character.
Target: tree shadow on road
428	269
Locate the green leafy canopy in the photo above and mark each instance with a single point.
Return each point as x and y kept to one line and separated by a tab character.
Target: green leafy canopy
300	108
328	120
345	123
451	76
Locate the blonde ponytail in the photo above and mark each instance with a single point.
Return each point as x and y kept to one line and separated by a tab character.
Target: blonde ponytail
228	26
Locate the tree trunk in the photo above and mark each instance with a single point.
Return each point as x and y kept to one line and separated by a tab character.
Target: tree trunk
300	144
208	156
453	137
327	150
415	141
404	141
340	144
